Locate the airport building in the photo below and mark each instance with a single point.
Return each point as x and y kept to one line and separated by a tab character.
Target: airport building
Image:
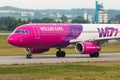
88	17
100	15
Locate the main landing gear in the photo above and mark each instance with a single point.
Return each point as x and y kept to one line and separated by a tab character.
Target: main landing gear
29	53
95	54
60	53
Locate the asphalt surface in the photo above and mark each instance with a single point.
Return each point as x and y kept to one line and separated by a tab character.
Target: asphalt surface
53	59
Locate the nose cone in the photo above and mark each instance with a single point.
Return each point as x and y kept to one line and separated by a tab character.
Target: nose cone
11	40
14	40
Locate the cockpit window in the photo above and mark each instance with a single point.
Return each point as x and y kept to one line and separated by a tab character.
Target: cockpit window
24	32
17	31
21	32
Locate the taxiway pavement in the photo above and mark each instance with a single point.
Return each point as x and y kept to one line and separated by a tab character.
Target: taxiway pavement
53	59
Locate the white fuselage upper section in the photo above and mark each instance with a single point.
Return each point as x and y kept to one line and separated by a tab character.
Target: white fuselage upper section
95	31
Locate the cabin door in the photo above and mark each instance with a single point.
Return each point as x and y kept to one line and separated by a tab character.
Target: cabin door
37	32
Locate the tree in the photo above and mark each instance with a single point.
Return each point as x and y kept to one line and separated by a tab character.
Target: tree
47	20
35	21
64	19
117	17
10	23
79	19
3	27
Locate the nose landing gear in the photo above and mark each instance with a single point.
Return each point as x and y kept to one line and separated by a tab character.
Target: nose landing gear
29	53
29	56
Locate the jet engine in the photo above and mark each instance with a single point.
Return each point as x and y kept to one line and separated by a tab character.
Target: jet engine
87	47
36	50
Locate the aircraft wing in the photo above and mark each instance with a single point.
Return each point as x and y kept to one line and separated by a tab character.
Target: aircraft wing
75	40
107	38
97	39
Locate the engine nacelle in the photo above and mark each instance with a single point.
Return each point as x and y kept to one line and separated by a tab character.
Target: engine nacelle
36	50
87	47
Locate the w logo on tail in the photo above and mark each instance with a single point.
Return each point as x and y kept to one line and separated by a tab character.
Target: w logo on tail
107	32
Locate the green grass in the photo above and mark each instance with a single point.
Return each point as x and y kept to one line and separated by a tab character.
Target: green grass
65	71
7	49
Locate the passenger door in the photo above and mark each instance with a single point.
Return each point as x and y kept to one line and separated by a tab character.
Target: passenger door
37	32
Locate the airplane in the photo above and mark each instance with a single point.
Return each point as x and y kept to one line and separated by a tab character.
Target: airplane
85	38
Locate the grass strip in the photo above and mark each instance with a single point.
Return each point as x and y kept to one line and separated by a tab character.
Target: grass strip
64	71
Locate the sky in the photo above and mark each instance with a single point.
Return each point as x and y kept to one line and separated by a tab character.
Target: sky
59	4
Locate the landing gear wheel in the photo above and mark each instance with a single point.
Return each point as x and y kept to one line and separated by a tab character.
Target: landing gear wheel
29	56
95	54
60	53
29	53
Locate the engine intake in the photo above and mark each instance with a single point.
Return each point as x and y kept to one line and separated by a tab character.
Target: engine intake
87	47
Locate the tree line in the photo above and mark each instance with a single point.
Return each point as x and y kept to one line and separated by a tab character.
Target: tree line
10	23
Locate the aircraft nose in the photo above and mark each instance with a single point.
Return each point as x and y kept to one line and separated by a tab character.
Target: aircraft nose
11	41
15	41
